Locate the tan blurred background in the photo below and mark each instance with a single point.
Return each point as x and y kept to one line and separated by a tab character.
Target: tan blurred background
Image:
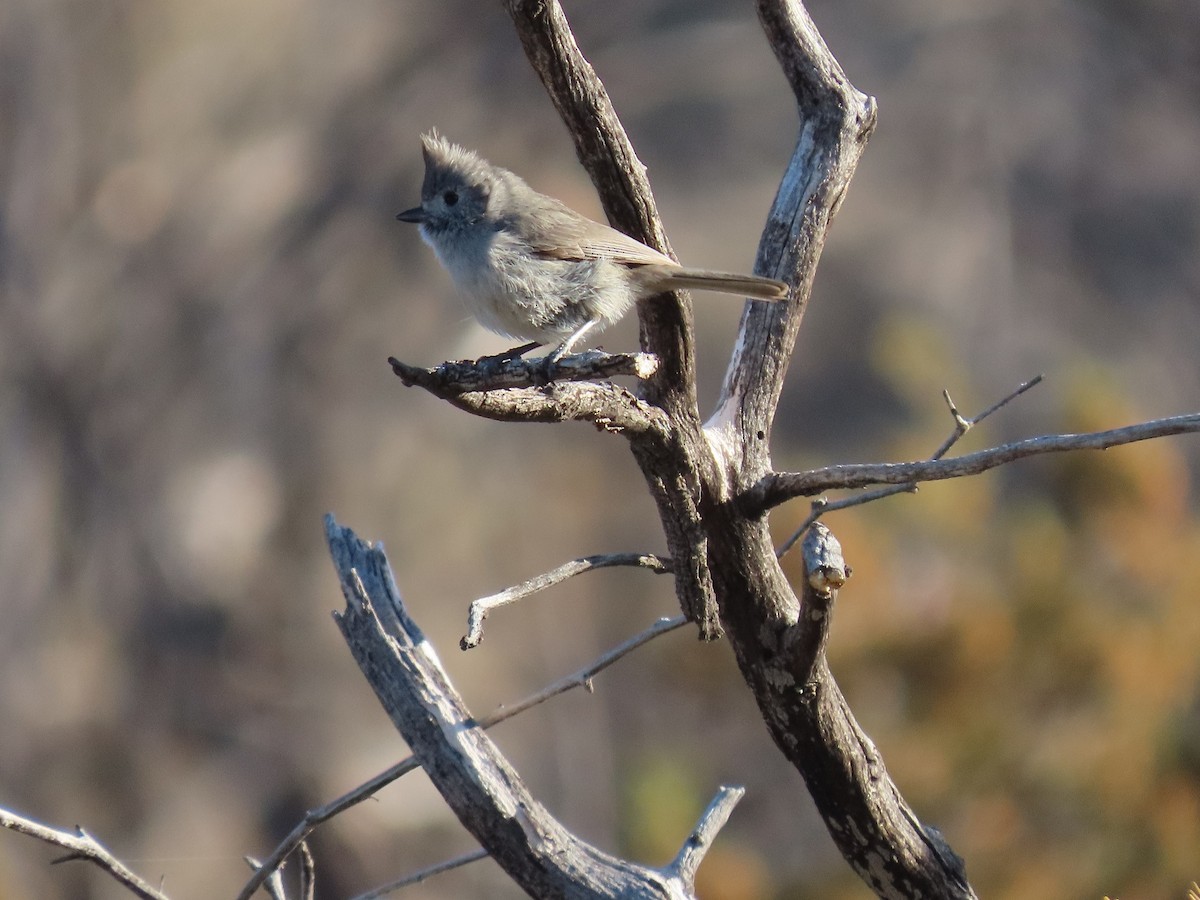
201	279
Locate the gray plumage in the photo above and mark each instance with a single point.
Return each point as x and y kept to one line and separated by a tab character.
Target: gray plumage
530	267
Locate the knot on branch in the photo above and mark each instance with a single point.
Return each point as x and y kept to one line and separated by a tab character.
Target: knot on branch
824	565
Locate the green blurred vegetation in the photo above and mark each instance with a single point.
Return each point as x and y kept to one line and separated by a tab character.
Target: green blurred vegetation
201	279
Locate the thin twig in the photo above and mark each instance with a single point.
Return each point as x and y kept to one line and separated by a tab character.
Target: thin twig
82	846
961	426
697	845
822	505
780	487
316	817
421	874
583	678
480	608
308	873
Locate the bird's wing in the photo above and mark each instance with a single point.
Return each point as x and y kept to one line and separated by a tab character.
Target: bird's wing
558	232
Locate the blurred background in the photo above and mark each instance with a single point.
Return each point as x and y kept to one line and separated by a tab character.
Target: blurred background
200	282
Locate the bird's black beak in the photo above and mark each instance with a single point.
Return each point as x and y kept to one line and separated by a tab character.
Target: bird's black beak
416	214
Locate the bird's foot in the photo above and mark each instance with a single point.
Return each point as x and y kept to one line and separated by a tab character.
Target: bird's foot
508	355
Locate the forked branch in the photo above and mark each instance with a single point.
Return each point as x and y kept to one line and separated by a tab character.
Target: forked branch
316	817
961	427
81	845
476	781
779	487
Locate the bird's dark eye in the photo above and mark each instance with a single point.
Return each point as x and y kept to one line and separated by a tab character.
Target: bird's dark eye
450	198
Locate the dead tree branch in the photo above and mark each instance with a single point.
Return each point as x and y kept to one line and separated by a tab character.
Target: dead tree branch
583	678
712	820
474	778
518	392
420	875
315	817
273	881
683	868
467	376
961	427
82	846
480	608
308	873
779	487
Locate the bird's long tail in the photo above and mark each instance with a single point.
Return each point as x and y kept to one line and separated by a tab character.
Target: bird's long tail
723	283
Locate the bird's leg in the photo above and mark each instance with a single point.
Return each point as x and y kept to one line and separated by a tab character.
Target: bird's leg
572	339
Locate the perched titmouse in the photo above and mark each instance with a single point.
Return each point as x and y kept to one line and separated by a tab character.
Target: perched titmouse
531	268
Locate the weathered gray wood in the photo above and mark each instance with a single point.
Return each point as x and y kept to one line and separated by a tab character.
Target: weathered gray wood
476	781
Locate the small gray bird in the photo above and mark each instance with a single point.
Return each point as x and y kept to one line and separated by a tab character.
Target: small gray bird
530	267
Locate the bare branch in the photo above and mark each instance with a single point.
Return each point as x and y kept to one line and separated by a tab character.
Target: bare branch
961	427
779	487
420	875
809	720
696	846
316	817
836	120
604	404
308	873
82	846
468	376
583	678
585	107
816	78
698	843
476	781
480	608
